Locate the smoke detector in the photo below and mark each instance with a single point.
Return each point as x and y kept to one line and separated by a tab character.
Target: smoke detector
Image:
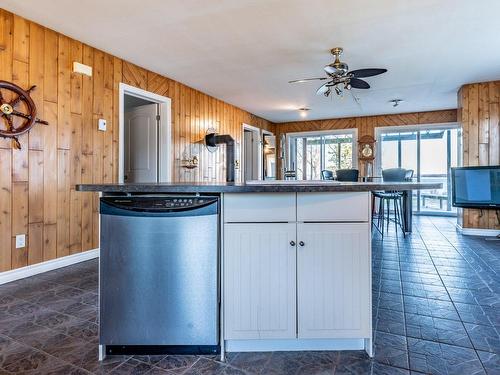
395	102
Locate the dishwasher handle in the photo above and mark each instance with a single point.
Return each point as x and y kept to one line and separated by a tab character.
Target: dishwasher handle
158	207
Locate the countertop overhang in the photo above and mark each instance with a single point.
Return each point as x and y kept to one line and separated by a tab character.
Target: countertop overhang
276	187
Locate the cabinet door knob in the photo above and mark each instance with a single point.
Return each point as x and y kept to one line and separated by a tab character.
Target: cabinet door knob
301	243
292	243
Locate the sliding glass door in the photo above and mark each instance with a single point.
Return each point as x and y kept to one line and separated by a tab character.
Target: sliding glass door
310	153
430	151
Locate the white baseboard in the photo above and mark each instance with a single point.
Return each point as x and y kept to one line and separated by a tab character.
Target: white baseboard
478	231
21	273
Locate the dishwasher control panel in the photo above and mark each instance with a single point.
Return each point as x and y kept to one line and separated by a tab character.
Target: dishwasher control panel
160	203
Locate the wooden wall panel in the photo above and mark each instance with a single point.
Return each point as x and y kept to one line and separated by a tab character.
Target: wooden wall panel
21	39
19	222
37	184
36	77
35	236
64	93
51	48
478	113
63	193
134	75
5	209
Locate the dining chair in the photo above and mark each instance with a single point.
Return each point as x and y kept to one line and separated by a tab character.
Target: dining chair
409	174
350	175
326	174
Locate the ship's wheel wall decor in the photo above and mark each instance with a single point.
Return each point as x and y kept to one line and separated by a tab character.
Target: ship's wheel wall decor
18	112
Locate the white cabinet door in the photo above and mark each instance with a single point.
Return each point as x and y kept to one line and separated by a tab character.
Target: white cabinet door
333	277
259	281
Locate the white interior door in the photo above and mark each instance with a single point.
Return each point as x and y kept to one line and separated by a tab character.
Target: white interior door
141	144
252	154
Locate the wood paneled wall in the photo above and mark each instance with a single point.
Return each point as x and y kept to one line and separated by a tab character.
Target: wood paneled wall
37	183
366	125
479	115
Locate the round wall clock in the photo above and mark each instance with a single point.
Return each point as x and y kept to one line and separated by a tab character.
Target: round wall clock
366	146
367	150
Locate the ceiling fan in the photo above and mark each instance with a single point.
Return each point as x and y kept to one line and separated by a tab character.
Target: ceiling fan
339	77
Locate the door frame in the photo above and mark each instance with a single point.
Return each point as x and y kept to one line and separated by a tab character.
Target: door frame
416	128
257	131
264	132
406	128
164	131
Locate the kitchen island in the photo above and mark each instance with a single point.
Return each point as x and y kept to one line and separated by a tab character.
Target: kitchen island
295	263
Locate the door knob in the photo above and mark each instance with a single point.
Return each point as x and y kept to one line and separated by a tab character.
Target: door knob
301	243
292	243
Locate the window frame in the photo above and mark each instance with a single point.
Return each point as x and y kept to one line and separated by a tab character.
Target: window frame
289	137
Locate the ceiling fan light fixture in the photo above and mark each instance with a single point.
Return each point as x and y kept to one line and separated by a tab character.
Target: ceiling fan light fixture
340	78
336	68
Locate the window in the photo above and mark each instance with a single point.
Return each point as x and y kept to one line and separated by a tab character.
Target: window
310	153
430	150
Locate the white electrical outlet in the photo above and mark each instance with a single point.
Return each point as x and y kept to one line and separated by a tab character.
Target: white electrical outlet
20	241
101	125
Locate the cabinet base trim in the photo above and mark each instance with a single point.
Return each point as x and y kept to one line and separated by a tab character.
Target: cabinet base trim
294	345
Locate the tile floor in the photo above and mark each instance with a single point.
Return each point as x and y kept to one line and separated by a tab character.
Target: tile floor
436	301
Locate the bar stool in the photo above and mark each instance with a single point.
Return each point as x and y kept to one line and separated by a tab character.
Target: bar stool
350	175
386	197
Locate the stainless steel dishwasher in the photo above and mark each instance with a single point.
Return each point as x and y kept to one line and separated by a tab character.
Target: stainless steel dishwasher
159	274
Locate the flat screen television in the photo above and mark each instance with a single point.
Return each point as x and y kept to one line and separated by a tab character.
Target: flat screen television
476	187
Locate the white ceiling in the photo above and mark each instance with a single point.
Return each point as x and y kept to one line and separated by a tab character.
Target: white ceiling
245	52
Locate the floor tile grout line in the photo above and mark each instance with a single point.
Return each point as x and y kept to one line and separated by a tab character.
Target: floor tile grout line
459	252
452	302
492	324
32	348
403	300
52	309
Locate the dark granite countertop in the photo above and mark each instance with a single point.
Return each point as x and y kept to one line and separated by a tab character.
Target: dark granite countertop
263	187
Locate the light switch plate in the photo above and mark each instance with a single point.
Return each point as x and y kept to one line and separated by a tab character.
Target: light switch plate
20	241
101	125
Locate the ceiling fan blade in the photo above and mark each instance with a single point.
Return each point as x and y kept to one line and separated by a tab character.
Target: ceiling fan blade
308	79
362	73
359	83
323	89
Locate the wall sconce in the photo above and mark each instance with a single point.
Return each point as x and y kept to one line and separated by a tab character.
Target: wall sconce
82	69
